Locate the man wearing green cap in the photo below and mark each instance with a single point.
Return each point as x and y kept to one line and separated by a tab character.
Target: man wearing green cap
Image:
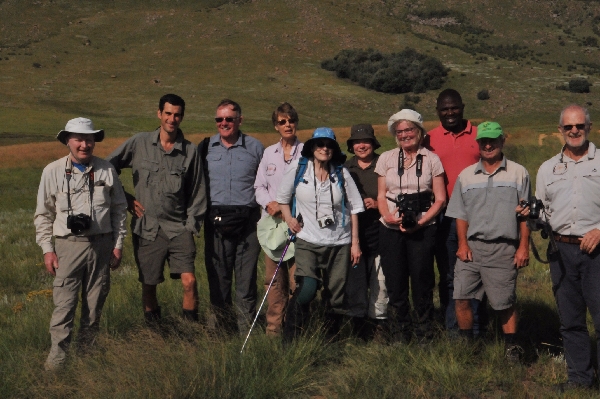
493	240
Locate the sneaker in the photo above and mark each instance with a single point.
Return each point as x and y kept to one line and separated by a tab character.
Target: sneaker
513	353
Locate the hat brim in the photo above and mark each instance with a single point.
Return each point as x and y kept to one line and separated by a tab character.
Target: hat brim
63	134
338	155
376	144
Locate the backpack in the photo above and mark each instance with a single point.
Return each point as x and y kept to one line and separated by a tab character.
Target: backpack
301	169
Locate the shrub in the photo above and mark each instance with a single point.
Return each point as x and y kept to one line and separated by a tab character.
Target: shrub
388	73
579	85
483	95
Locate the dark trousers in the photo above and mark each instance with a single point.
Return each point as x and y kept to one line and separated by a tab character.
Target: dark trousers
357	285
446	246
225	257
404	257
576	285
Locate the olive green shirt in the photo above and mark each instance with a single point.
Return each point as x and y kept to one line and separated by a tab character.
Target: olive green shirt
169	185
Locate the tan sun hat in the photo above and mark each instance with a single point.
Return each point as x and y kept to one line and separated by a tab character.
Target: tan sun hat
80	125
273	235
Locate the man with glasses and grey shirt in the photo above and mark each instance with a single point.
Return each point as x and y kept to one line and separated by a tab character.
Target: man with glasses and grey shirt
231	160
82	204
569	186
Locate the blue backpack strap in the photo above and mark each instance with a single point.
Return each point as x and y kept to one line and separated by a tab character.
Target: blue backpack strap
302	163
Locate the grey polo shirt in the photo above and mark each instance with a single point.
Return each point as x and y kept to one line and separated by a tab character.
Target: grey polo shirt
169	185
570	191
487	201
232	171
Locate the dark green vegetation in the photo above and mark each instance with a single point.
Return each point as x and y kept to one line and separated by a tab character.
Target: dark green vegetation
388	73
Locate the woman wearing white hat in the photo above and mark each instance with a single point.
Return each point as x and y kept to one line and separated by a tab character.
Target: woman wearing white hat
411	193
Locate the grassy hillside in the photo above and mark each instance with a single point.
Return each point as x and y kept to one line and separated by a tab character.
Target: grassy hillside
111	60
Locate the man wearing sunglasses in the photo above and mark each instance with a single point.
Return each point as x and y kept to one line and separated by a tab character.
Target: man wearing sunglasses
168	207
232	248
569	186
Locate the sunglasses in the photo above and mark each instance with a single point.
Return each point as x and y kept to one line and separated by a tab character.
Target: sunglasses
284	121
330	144
579	126
227	119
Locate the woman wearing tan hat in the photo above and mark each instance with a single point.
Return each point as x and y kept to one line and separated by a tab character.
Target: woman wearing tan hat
366	295
275	161
411	193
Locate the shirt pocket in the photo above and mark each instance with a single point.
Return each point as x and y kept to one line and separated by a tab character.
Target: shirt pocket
245	163
101	196
149	172
174	181
62	204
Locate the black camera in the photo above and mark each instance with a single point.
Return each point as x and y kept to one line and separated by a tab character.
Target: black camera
408	210
535	206
78	223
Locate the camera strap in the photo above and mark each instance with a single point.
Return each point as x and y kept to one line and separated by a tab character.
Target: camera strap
69	175
319	196
418	172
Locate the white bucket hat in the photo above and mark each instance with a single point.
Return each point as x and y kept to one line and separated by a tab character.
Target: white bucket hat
273	235
80	125
406	115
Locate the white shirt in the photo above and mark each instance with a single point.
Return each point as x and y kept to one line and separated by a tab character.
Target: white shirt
313	200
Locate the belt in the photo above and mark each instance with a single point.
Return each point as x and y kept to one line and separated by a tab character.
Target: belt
85	238
567	239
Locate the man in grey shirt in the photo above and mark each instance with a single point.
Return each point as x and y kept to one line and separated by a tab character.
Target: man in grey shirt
569	186
231	162
168	207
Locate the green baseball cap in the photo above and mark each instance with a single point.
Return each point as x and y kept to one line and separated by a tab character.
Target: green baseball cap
489	130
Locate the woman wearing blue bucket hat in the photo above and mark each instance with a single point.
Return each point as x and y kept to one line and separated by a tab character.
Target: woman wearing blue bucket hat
321	190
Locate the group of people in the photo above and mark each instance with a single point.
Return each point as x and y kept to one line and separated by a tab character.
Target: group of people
366	229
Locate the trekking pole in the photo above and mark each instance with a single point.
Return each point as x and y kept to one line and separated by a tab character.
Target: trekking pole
291	239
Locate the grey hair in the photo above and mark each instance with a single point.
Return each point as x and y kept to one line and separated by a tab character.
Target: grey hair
588	120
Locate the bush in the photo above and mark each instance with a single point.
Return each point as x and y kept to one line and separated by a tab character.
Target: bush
388	73
483	95
579	85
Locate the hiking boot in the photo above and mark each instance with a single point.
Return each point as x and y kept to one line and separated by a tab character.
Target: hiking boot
513	353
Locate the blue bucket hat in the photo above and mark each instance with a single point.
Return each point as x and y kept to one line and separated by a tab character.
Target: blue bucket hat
323	133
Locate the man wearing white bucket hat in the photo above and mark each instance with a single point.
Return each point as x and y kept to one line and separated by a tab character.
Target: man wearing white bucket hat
82	204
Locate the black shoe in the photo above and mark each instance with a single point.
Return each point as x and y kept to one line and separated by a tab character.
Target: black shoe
570	386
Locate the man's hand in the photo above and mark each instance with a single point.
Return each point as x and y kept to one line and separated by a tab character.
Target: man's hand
51	262
521	257
370	203
464	253
273	209
134	207
590	241
115	258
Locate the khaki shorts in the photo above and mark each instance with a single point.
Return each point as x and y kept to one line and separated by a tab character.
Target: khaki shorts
492	271
150	256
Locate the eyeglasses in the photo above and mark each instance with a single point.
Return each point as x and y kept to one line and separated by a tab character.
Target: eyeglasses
227	119
579	126
284	121
406	131
330	144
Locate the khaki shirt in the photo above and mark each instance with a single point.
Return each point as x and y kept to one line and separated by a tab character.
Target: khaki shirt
570	191
169	185
107	206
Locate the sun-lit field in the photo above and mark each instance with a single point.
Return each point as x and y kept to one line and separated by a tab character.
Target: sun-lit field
112	60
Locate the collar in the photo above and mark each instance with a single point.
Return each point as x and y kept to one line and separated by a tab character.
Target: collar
353	162
591	154
178	145
216	140
480	169
279	147
468	129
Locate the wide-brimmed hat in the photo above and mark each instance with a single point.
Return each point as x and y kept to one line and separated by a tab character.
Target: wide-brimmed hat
328	134
363	131
80	125
272	235
489	130
406	115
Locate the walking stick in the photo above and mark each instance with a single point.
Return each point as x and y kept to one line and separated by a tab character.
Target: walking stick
291	239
